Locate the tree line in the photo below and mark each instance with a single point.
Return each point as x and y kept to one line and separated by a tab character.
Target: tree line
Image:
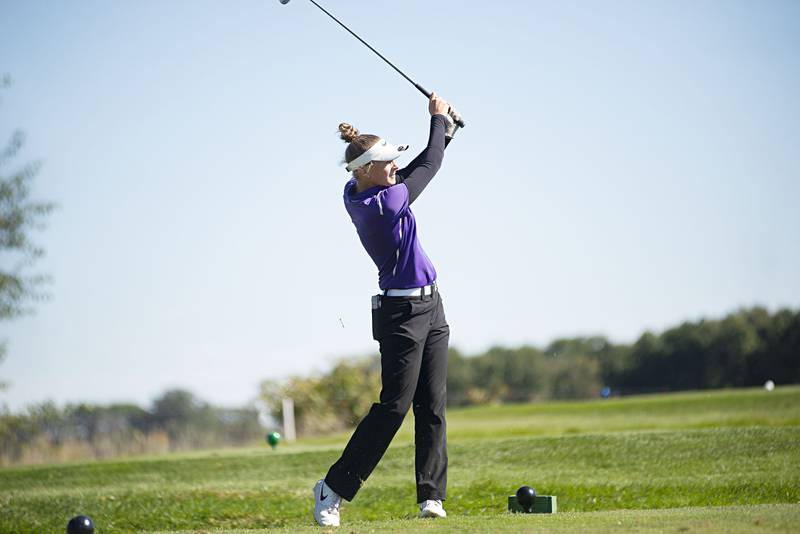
177	420
745	348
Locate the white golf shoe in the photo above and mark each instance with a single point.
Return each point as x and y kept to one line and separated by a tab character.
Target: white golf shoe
326	505
431	509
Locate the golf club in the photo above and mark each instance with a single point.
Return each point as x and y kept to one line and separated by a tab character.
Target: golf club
458	120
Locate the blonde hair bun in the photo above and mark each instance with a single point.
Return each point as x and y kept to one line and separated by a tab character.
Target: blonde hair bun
347	132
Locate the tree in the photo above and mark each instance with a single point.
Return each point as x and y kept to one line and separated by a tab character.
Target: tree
180	414
351	387
19	216
3	385
459	378
327	403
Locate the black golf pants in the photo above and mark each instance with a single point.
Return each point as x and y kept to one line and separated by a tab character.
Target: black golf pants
413	336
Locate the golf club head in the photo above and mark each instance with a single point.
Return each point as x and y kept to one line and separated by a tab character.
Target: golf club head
284	2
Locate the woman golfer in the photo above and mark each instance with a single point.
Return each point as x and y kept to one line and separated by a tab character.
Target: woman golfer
407	319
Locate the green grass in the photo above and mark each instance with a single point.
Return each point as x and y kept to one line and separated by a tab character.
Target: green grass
707	520
683	461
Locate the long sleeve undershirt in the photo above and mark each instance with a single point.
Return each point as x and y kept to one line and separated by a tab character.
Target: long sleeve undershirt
418	174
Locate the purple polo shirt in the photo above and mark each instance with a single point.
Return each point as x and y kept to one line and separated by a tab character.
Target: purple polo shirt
387	229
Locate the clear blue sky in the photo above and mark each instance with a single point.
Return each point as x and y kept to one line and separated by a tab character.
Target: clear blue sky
626	166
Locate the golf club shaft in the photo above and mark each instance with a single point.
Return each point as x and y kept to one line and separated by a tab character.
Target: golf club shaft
403	74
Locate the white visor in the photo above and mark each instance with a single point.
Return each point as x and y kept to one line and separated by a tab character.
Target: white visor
380	151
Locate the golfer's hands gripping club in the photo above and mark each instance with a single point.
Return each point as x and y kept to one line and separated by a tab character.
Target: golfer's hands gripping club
439	106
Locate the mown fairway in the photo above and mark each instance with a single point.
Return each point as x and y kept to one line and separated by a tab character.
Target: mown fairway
725	461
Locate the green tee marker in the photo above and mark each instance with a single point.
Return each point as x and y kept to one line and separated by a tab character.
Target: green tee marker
542	504
273	438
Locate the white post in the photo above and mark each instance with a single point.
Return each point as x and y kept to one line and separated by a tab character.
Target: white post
288	420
